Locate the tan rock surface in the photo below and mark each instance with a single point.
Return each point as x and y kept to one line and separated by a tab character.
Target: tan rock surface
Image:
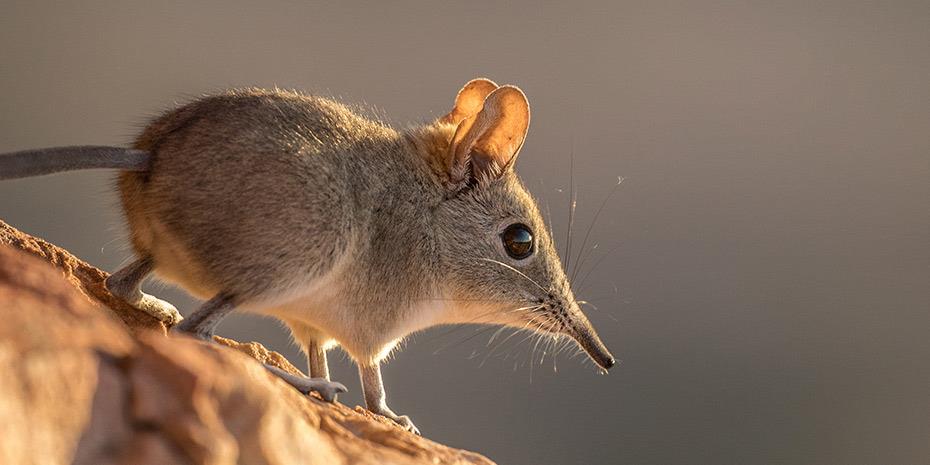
89	380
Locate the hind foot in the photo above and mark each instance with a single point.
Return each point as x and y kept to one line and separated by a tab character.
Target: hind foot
125	285
158	309
328	390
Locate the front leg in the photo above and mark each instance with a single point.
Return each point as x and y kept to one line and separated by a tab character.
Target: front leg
316	359
313	343
375	398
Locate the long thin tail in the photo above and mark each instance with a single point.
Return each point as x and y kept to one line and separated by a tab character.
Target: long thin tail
40	162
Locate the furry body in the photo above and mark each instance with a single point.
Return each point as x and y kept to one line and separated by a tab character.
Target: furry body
281	226
351	232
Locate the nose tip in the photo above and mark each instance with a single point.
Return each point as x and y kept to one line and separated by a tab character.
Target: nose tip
592	345
605	360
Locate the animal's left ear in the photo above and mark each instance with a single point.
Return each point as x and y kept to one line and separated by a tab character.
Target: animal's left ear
486	145
469	100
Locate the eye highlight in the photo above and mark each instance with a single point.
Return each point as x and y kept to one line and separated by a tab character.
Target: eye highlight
518	241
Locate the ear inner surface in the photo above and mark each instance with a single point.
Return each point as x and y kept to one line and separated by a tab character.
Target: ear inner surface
469	100
491	139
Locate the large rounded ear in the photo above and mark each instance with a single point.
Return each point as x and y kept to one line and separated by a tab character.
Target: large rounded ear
469	100
488	142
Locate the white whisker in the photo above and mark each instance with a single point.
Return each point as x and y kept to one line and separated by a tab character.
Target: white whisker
515	271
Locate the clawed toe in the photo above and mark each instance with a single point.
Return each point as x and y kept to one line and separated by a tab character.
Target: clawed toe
403	420
407	424
326	388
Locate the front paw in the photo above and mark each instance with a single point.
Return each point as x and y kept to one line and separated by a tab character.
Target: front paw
405	422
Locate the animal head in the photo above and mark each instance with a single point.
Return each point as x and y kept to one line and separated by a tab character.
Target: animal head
498	262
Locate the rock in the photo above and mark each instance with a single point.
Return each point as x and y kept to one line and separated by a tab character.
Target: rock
89	380
87	279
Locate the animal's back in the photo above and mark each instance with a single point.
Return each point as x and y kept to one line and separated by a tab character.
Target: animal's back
248	191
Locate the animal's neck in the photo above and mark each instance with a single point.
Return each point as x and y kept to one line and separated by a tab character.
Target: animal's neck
401	169
394	218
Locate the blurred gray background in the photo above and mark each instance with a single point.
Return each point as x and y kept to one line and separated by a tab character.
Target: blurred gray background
768	289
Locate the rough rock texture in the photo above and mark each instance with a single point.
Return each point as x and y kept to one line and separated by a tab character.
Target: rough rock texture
86	379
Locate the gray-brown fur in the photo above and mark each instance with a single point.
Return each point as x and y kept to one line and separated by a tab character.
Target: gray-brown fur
351	232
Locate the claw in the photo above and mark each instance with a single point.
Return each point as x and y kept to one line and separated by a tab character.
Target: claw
328	390
402	420
407	424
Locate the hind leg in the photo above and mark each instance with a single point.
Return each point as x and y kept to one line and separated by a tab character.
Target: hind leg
313	342
203	322
125	284
326	388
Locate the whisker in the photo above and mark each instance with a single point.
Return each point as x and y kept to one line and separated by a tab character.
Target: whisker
475	320
535	347
499	344
597	215
536	330
494	336
585	302
584	278
515	271
479	332
555	368
552	346
542	331
564	343
585	254
547	347
533	331
462	300
573	201
609	315
514	333
548	216
490	326
546	332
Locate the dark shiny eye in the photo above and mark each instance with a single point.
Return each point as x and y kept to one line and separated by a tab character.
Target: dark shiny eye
518	241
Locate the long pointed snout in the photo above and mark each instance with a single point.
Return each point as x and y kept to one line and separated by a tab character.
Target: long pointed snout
588	339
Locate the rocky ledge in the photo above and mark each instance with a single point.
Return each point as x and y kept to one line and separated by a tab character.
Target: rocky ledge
89	380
